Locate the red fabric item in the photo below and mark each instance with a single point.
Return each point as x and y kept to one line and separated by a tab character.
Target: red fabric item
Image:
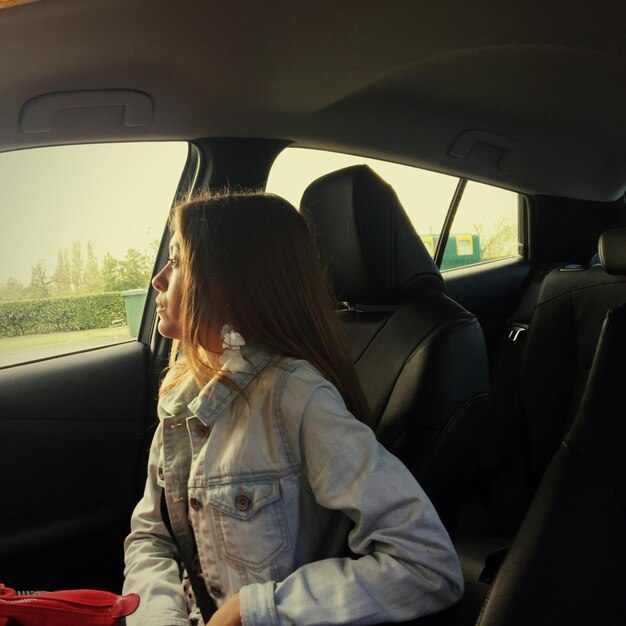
78	607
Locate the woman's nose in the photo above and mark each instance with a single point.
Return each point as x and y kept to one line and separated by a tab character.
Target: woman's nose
159	282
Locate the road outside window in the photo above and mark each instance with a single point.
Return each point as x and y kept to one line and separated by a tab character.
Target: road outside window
81	227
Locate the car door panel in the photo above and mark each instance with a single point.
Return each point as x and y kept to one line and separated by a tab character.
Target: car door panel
73	435
491	291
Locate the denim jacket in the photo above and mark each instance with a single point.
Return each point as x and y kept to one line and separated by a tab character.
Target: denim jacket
270	482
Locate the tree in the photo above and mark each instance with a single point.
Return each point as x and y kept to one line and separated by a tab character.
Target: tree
12	289
111	273
136	269
499	241
92	278
132	272
39	280
62	277
76	267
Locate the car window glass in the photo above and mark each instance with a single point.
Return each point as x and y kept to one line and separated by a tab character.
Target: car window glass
485	227
81	225
424	195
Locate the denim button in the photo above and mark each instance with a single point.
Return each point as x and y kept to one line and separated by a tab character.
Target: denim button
242	502
203	431
195	504
215	591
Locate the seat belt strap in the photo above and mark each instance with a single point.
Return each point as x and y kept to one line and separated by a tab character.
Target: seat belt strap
205	602
505	382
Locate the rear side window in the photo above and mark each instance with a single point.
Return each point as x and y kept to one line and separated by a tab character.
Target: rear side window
81	229
485	225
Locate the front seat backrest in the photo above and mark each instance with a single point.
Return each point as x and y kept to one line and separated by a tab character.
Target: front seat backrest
419	355
566	565
564	331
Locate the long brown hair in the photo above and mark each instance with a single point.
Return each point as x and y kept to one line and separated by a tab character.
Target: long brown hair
257	251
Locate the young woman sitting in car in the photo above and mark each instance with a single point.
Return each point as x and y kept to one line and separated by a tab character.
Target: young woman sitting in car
280	500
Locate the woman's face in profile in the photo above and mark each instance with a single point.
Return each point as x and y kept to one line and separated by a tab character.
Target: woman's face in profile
168	283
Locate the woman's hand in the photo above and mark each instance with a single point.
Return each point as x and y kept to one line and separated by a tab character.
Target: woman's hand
228	614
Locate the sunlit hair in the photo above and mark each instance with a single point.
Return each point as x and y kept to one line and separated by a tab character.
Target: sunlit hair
252	255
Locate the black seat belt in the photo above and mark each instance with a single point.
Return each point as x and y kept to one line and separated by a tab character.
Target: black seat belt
505	407
205	602
505	383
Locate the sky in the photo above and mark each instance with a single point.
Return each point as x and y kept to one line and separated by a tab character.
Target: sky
115	195
118	196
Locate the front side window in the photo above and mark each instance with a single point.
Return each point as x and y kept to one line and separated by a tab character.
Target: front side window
81	226
485	226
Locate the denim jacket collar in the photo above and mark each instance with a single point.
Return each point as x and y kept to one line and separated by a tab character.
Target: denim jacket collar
174	403
218	393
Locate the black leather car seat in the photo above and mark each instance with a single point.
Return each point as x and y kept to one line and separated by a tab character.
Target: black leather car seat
566	565
561	342
420	356
535	413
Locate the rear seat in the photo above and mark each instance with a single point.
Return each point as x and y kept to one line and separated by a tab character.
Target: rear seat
560	343
566	565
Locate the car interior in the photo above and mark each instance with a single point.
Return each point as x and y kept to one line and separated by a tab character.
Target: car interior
497	383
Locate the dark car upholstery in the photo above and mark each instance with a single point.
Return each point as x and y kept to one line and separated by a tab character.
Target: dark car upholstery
528	421
561	343
571	546
420	356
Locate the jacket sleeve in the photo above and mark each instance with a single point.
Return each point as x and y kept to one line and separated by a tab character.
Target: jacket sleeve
151	558
406	565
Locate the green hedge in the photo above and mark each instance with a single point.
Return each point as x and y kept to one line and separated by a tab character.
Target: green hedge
50	315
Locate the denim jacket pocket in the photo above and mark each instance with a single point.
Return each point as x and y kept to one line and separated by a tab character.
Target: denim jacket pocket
250	521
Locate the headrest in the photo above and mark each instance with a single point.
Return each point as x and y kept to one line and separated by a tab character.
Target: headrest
363	234
612	250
